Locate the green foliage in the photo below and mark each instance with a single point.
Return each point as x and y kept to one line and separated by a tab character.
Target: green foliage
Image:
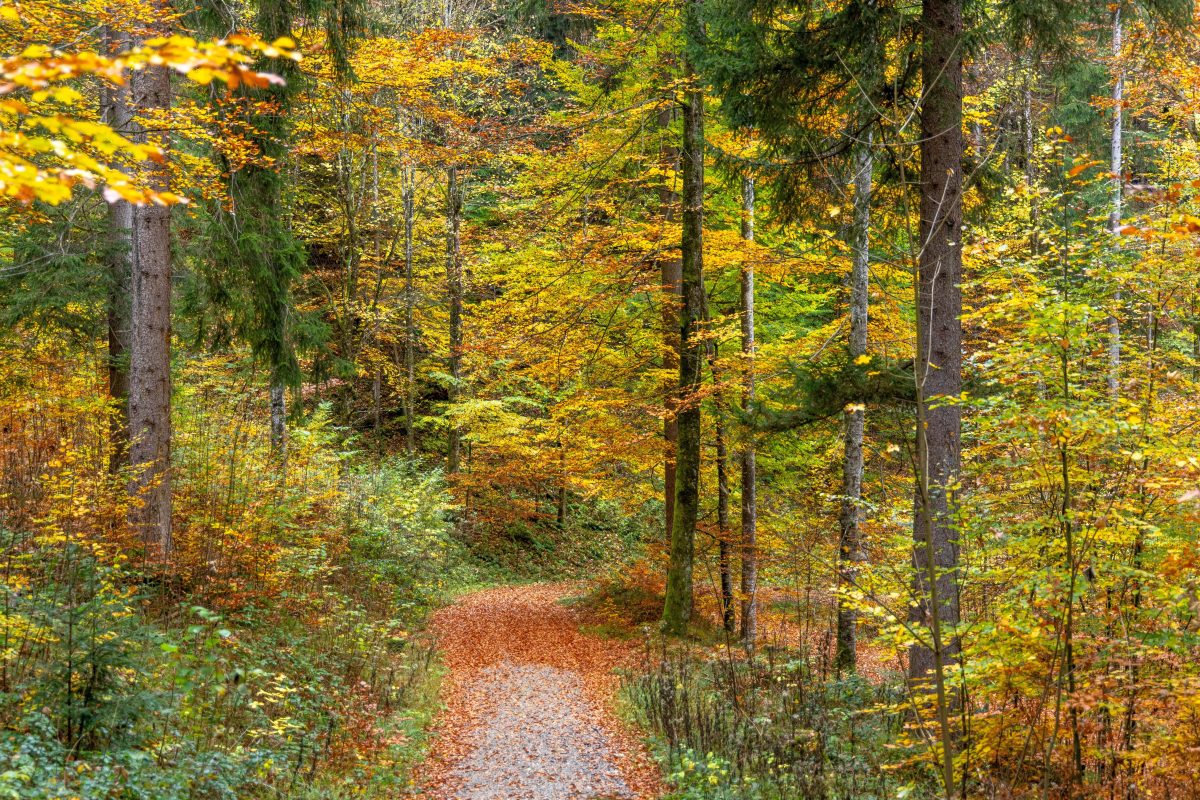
219	708
823	390
597	532
765	728
399	544
54	277
314	679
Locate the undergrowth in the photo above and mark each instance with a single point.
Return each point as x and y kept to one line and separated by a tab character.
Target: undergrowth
279	654
728	727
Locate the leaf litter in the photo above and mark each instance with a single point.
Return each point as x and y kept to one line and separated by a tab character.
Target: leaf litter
529	704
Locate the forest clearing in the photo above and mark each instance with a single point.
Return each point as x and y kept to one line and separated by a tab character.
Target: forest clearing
596	399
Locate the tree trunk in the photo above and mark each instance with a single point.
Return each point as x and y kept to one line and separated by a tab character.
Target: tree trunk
678	606
850	550
939	363
724	544
150	352
672	279
278	397
749	587
408	192
1114	216
1029	126
454	283
563	477
116	113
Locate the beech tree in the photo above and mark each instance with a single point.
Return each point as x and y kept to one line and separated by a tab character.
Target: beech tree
749	503
850	539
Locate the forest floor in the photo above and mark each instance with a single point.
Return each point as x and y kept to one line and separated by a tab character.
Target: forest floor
529	704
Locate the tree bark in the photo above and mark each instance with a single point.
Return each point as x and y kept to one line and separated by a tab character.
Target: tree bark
115	111
563	478
278	399
677	609
1114	216
935	608
850	552
672	279
749	545
454	285
1029	126
150	352
724	543
408	192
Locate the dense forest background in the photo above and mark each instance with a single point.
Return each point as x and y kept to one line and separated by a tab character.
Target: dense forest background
846	351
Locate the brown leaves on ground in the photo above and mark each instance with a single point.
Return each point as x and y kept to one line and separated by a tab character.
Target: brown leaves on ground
491	632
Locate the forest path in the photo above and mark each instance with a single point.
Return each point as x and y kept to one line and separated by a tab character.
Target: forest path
528	701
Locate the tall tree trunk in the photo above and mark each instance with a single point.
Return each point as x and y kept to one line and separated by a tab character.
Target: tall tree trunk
454	284
1114	215
116	113
408	192
677	608
150	351
935	608
563	477
278	401
724	543
672	279
850	551
749	587
1029	126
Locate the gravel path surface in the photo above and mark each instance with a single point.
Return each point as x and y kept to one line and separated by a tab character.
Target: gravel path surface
537	741
528	705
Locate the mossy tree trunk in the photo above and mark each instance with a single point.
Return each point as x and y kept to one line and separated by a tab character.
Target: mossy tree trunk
749	544
678	606
850	552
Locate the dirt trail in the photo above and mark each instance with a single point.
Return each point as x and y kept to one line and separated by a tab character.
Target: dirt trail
529	705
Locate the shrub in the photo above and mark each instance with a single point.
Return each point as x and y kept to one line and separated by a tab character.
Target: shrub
765	727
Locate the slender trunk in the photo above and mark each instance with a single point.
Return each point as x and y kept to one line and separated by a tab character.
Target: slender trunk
672	279
678	605
116	113
749	545
377	251
1195	337
408	192
724	543
150	351
278	396
1031	165
938	376
454	282
850	545
562	486
1068	668
1114	216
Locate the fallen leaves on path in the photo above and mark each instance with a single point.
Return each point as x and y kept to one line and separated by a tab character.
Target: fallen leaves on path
516	659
